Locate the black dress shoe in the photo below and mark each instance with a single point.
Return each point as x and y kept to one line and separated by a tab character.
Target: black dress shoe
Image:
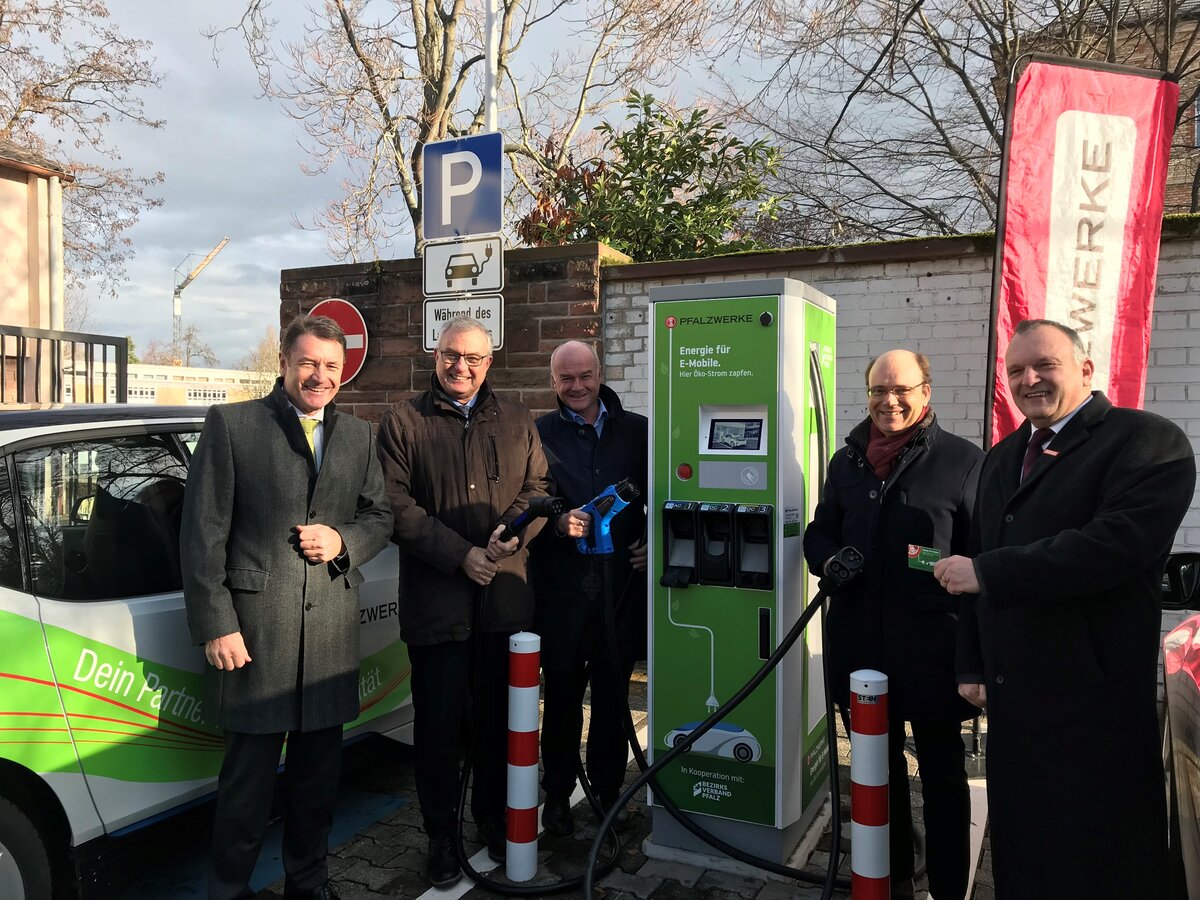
324	892
442	867
556	816
493	836
608	801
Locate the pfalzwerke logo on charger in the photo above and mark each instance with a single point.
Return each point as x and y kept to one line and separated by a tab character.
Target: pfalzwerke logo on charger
710	790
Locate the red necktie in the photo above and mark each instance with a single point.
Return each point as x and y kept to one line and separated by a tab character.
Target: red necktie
1034	450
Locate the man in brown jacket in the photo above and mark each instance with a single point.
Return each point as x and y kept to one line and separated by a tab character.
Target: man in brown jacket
460	462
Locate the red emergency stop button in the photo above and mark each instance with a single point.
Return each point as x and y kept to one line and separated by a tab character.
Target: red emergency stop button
684	472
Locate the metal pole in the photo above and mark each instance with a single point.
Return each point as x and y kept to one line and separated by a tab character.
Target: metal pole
870	862
491	66
521	818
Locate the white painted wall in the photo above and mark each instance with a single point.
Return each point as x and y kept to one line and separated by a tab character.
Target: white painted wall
937	306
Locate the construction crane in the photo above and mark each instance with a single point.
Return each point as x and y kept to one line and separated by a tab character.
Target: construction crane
177	331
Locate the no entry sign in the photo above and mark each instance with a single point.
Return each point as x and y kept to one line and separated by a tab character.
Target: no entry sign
347	315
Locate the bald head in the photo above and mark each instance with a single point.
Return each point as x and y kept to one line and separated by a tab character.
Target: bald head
897	390
901	357
575	375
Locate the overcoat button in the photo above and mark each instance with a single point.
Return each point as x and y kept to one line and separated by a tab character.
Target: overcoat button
873	494
1008	519
999	679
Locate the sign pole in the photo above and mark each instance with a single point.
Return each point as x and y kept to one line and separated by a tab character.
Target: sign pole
491	65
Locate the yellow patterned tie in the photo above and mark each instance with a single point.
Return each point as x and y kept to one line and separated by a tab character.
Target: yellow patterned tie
309	426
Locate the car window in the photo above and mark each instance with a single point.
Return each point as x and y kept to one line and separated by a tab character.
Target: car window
10	547
102	516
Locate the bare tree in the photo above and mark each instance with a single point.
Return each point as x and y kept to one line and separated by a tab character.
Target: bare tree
192	350
891	112
373	81
263	362
66	73
77	306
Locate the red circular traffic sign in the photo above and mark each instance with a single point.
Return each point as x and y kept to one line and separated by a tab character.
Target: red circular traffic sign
346	314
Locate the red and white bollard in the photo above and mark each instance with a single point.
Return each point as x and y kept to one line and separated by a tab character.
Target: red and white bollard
870	859
521	826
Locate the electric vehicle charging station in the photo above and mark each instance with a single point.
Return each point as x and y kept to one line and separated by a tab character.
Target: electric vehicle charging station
741	394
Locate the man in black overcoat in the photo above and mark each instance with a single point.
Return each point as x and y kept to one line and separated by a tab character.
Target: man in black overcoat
1076	514
904	482
590	441
275	526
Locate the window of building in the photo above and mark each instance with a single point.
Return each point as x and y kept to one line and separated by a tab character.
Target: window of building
102	516
207	395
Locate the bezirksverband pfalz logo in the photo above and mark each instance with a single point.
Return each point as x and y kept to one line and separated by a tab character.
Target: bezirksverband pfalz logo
710	790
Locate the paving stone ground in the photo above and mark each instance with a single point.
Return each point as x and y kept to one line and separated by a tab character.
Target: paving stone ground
387	858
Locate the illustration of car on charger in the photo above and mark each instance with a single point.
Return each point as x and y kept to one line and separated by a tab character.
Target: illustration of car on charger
462	265
725	739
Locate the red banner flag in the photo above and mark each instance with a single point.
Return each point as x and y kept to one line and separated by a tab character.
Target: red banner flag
1081	216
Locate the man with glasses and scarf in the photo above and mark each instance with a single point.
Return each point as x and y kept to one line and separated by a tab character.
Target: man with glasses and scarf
460	462
901	491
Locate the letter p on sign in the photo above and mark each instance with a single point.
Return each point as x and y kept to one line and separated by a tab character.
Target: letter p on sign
462	190
450	190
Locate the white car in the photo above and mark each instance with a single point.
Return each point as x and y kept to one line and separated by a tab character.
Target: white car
724	739
100	684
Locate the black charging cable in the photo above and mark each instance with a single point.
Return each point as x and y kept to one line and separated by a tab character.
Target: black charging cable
844	566
830	880
539	507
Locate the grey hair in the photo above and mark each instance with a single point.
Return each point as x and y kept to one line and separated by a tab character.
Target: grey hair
1078	348
465	323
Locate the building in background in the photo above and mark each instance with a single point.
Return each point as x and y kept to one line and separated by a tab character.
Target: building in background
177	386
31	238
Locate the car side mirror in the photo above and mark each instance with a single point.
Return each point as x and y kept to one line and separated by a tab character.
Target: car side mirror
1181	581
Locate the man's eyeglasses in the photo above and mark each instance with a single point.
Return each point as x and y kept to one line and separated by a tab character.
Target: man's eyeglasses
878	393
450	358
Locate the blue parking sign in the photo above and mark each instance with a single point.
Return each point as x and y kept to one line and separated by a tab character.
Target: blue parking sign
462	191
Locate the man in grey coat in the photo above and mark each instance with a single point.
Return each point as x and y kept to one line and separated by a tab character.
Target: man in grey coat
284	502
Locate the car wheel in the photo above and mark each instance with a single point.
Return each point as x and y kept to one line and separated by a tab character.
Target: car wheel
679	739
24	860
1176	877
743	752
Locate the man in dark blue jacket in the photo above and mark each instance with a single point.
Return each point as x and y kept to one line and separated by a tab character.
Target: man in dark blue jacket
590	442
901	491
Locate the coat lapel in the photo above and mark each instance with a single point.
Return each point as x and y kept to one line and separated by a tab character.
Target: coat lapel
1075	434
289	422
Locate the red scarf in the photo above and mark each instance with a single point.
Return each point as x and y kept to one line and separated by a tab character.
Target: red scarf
882	449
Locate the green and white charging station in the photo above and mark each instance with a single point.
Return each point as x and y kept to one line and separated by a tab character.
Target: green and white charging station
741	399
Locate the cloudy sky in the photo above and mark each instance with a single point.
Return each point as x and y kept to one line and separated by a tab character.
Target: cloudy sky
233	166
233	169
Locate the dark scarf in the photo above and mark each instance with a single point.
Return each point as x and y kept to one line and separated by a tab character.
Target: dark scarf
883	449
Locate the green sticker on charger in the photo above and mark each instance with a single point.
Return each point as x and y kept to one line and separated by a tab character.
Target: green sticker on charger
923	558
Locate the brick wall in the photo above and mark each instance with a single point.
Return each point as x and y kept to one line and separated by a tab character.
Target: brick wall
931	295
550	295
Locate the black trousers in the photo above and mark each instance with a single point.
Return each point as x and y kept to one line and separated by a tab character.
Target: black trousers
245	789
941	765
562	725
450	682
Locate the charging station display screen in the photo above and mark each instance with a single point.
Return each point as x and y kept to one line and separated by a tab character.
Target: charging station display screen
735	434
